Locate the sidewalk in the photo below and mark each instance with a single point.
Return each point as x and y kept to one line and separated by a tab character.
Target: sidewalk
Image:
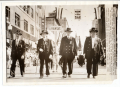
79	74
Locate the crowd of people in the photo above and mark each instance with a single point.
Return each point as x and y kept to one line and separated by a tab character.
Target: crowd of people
61	54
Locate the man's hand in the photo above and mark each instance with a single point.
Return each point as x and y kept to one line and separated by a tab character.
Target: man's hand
85	60
84	55
60	56
41	50
76	57
50	56
22	57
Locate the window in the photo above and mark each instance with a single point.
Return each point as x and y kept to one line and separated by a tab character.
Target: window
17	20
8	13
32	29
26	25
31	12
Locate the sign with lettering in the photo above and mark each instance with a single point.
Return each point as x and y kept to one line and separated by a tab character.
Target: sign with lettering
77	13
54	28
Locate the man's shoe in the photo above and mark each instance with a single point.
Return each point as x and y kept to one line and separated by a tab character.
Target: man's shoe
41	77
64	76
47	75
94	77
11	76
69	75
22	75
88	76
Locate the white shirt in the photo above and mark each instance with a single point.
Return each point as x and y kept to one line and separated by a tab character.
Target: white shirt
17	41
93	41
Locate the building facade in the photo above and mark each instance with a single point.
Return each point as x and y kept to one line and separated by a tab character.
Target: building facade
27	19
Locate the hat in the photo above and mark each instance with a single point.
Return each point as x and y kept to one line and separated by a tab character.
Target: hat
93	30
18	32
68	30
44	31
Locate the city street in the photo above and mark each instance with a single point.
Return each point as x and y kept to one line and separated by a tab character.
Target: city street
79	74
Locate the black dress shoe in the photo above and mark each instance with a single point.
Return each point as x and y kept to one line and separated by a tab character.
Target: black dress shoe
94	77
69	75
11	76
64	76
41	77
88	76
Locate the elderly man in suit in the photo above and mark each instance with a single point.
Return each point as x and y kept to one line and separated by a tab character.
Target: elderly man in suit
68	51
17	53
92	50
45	50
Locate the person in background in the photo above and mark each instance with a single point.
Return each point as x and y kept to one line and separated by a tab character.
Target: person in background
93	49
45	50
68	52
17	53
56	58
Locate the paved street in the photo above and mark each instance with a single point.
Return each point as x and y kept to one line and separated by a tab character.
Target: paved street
79	74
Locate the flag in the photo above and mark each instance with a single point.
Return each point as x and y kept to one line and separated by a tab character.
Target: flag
58	13
79	47
61	13
95	13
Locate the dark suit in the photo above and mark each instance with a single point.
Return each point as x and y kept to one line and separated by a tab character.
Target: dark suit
93	54
44	56
16	53
68	50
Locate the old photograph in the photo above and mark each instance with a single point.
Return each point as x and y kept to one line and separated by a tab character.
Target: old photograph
60	43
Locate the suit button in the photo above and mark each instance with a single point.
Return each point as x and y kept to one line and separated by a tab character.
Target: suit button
66	52
66	49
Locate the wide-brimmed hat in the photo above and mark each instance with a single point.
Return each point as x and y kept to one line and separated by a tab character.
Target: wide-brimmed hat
68	30
44	31
18	32
93	30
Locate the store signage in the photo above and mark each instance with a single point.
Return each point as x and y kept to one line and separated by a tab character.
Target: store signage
55	28
77	13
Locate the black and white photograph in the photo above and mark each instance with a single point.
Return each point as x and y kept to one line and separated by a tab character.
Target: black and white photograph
50	43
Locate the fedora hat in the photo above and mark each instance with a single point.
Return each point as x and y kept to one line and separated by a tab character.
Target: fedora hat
93	30
18	32
68	30
44	31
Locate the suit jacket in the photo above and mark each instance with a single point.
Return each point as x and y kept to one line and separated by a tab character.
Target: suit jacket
98	48
18	50
41	44
63	46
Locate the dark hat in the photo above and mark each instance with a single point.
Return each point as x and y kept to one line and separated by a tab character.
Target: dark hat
18	32
44	31
68	30
93	30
